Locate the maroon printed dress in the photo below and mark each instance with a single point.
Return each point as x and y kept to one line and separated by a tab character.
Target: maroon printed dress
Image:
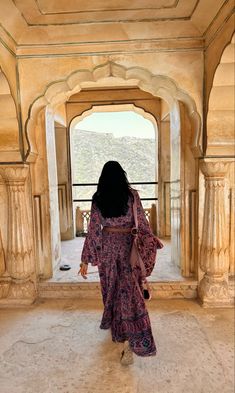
124	307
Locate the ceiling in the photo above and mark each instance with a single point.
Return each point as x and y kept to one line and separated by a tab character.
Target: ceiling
31	22
43	12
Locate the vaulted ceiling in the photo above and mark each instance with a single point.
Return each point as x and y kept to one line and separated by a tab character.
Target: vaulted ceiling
32	22
44	12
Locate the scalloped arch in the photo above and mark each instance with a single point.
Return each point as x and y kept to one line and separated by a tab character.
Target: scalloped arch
220	117
161	86
115	108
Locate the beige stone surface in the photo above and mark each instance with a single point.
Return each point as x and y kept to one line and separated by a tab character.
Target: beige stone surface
169	64
216	258
221	114
53	186
31	23
62	141
9	128
18	274
57	346
215	43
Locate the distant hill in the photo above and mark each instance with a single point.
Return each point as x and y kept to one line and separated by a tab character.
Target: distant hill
93	149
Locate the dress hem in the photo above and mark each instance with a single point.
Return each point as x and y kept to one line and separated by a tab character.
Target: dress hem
154	353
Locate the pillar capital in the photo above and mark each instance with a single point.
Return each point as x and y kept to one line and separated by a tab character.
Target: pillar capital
212	168
14	173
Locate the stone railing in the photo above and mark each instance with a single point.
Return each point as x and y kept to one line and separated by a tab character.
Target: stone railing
83	219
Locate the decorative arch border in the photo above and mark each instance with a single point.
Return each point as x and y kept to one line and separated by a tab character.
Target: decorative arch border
217	66
212	87
223	48
114	108
161	86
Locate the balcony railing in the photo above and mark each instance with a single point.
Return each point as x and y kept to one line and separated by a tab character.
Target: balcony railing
83	215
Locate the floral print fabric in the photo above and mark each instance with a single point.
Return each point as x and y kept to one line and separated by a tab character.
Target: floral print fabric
124	307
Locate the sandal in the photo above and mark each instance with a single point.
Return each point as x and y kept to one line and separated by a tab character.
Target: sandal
127	356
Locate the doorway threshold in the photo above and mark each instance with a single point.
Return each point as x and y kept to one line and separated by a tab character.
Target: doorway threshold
185	289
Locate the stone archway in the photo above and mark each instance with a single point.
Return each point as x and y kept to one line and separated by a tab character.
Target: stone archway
109	74
122	107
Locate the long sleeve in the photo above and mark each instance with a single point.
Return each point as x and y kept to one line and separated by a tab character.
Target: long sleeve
93	242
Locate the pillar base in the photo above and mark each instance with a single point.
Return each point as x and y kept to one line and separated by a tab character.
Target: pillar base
17	293
4	287
213	292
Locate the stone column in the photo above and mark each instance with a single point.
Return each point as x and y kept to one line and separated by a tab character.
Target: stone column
214	252
2	257
20	250
153	218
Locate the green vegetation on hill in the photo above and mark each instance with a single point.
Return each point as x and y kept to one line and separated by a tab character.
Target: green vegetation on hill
92	149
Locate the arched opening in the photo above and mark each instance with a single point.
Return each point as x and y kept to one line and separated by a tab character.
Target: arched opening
182	125
129	135
119	132
220	117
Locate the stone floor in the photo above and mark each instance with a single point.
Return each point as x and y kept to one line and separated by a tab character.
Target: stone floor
164	270
56	346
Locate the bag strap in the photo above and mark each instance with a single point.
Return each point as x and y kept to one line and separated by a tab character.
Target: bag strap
135	255
135	210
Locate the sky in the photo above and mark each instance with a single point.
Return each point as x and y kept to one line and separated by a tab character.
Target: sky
126	123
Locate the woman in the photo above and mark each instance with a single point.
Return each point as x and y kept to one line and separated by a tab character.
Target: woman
108	245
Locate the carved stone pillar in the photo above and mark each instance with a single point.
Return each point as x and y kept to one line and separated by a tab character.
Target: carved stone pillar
2	257
19	253
214	253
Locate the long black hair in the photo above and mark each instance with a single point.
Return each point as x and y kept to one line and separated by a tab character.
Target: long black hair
113	191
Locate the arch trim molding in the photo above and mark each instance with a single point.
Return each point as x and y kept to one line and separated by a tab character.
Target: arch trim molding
161	86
